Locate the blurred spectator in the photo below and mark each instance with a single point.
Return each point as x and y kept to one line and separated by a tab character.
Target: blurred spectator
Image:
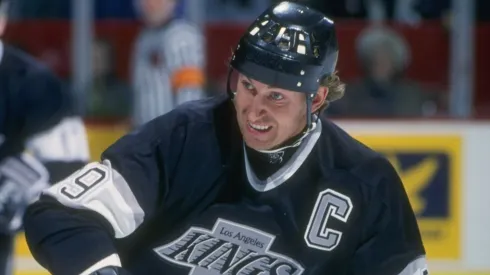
384	91
107	97
168	61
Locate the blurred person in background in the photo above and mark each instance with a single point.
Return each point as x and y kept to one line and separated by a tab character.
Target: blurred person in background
168	61
108	97
41	141
384	92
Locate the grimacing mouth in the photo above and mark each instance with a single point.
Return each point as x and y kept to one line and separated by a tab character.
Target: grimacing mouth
259	126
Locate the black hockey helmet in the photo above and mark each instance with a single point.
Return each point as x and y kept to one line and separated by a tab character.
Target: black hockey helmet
289	46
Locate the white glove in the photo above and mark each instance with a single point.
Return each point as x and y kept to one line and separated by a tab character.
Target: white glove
22	178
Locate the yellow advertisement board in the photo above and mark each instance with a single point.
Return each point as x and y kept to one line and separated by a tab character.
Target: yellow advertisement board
100	137
430	168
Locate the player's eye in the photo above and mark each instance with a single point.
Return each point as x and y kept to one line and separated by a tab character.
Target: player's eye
276	96
248	85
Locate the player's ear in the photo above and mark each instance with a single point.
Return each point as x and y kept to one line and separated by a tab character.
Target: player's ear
319	99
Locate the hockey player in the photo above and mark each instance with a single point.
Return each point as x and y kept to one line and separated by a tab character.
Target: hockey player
40	139
253	182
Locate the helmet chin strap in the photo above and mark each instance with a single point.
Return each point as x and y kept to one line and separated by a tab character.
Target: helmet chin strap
230	93
297	142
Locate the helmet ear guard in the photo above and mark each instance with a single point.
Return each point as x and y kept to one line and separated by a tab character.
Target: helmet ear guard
289	46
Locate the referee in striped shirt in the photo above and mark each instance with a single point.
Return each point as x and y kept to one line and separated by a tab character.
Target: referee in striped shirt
168	61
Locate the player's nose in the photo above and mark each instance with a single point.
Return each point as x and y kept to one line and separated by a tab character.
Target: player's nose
257	108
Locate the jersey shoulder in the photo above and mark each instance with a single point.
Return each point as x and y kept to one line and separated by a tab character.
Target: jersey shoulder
193	112
348	154
174	127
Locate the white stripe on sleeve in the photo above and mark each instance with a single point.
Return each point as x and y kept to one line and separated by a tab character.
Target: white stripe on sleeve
100	188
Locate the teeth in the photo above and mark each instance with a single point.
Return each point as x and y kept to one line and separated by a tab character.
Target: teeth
259	127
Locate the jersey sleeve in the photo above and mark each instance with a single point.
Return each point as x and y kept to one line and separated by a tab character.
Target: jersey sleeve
76	222
391	240
62	148
185	57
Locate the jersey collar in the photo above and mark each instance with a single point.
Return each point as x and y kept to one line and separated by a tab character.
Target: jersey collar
289	168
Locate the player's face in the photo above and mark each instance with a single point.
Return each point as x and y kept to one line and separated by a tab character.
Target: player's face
156	12
268	116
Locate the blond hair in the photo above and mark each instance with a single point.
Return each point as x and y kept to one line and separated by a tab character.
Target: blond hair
336	88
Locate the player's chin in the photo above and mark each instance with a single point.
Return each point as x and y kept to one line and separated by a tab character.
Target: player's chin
259	143
258	146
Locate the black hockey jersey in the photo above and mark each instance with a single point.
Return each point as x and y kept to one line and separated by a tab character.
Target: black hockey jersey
33	101
178	196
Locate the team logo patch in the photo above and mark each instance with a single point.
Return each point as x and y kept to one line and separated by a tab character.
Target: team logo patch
229	248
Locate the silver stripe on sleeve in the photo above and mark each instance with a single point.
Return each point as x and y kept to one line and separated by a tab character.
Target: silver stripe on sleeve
416	267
